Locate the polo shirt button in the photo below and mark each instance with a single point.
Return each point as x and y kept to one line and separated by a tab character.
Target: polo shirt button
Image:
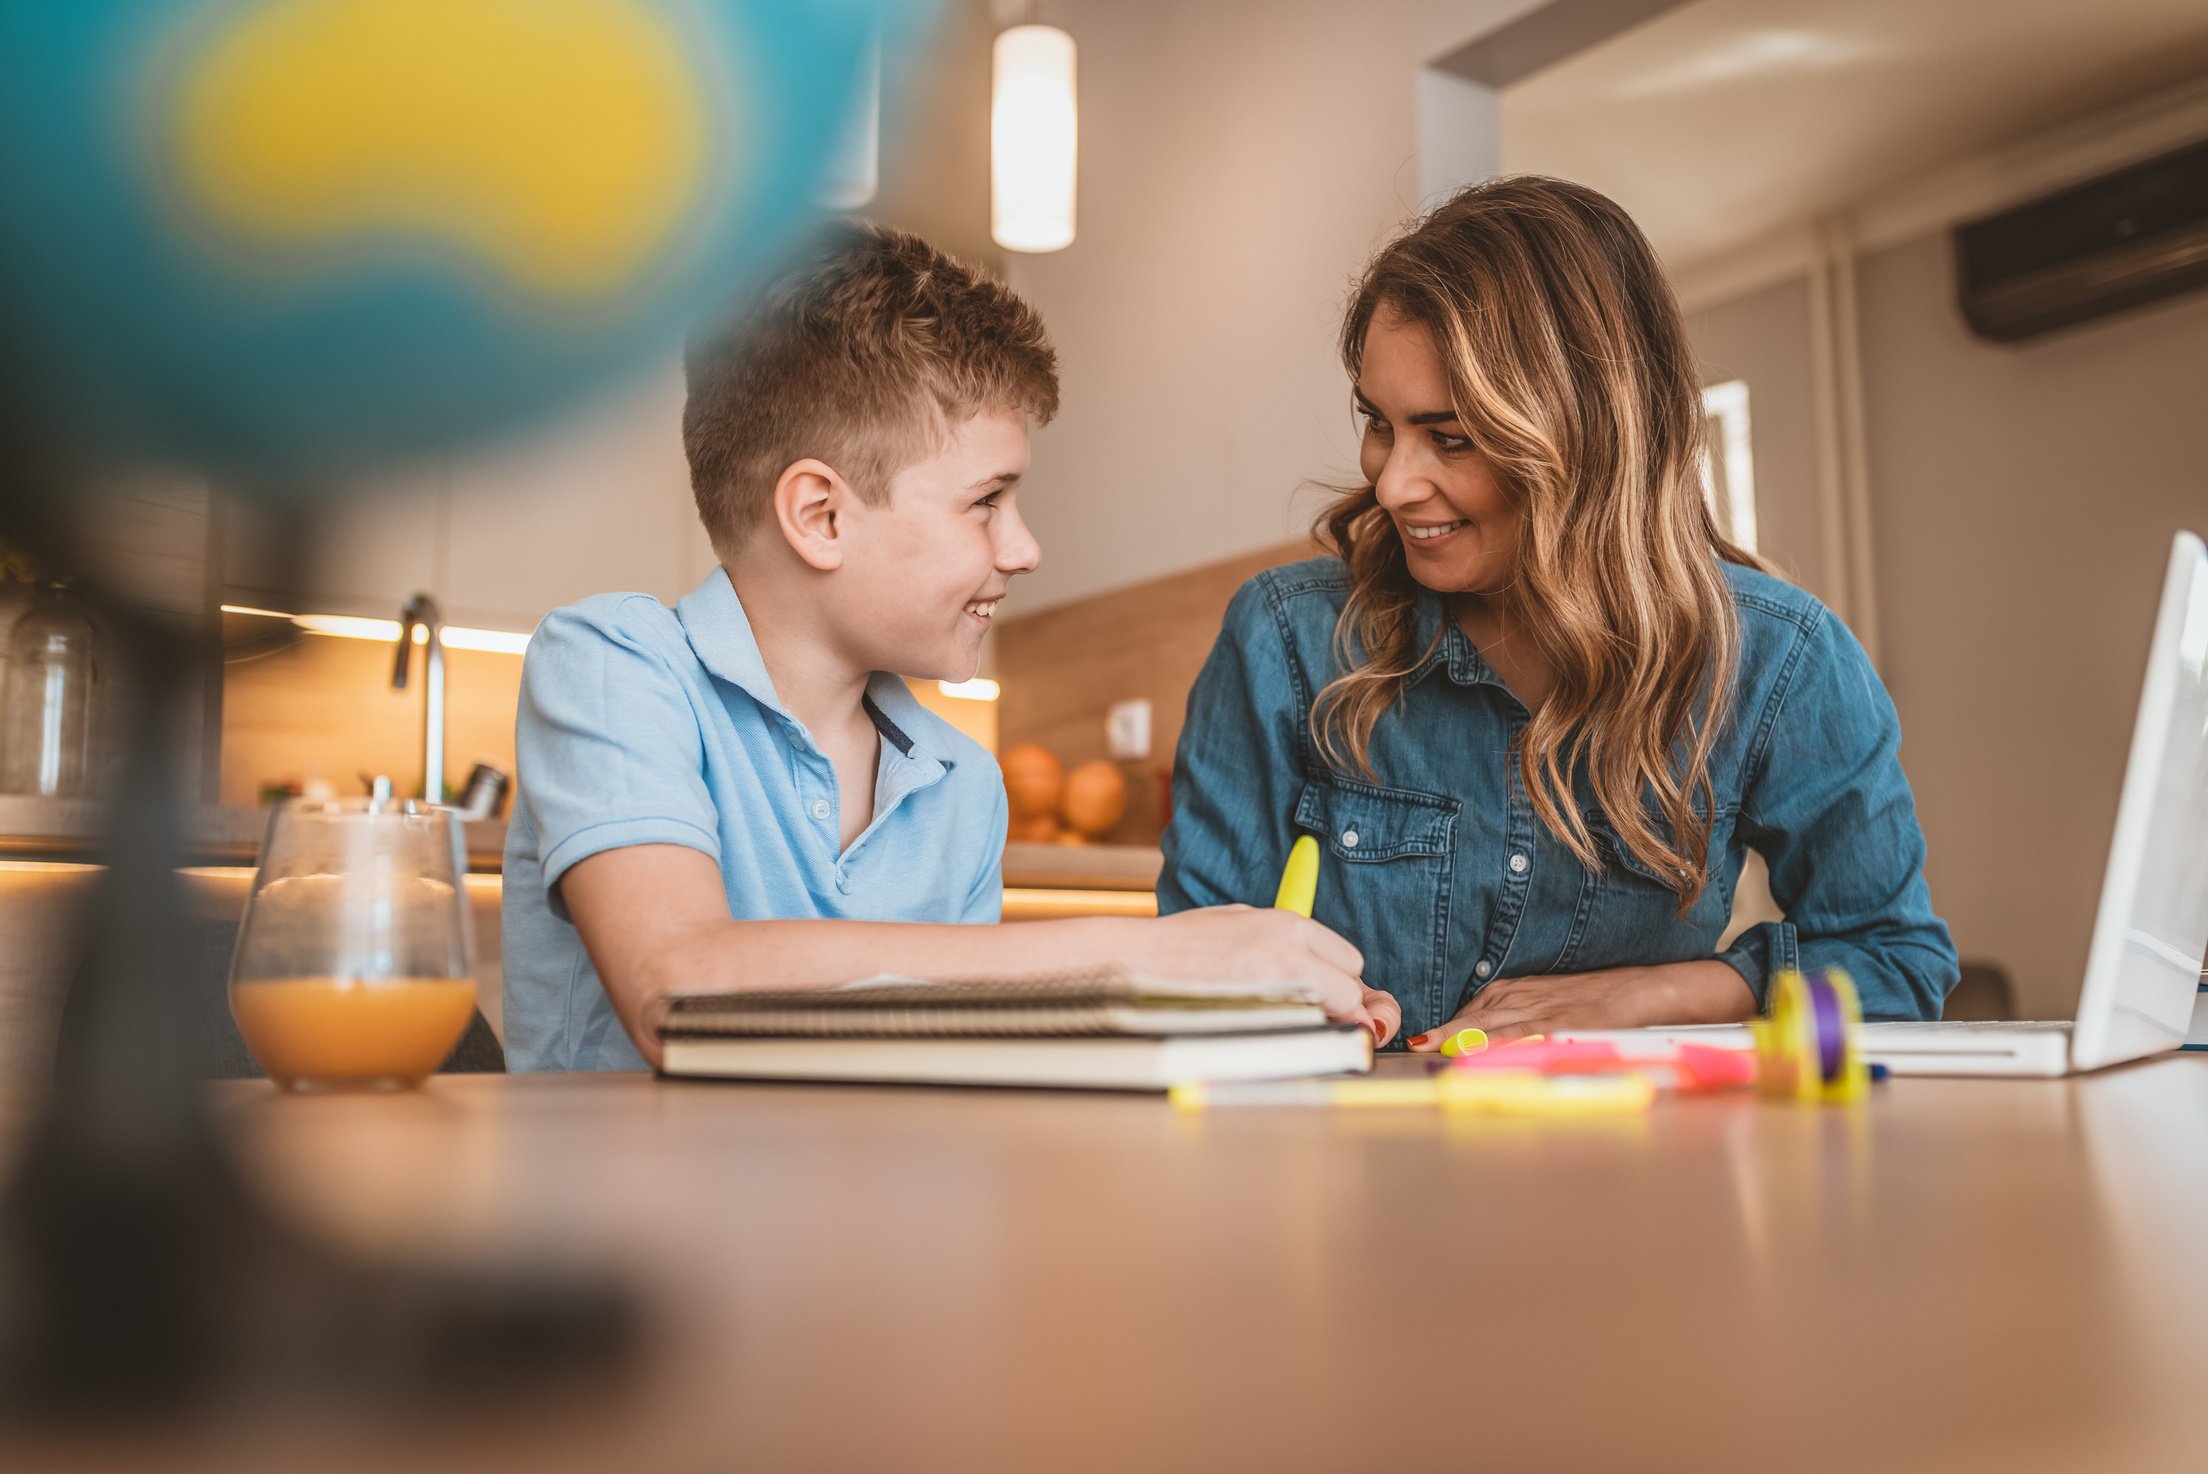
1517	864
1484	968
1349	839
820	808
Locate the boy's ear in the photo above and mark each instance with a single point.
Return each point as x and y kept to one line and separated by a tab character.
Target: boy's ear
812	505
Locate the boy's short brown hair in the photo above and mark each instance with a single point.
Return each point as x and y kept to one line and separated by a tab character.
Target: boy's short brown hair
858	356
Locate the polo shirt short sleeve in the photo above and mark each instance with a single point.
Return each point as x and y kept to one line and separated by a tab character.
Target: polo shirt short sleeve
611	743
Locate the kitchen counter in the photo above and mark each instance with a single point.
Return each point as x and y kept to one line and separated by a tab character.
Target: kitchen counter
220	834
69	829
41	901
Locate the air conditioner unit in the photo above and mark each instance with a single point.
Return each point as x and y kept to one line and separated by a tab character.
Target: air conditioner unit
2126	238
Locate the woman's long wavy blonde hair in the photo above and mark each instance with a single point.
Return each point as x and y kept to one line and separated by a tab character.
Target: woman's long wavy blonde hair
1572	376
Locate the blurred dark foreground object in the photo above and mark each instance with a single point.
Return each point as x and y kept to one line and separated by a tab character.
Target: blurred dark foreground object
141	1275
480	212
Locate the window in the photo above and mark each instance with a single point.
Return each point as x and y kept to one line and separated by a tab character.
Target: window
1728	462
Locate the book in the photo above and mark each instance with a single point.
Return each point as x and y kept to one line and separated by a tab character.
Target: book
1108	1033
2197	1036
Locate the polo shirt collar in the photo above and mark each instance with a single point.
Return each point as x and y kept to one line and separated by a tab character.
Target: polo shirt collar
720	634
896	713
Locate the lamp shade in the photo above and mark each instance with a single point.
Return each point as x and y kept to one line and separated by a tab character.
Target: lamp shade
1032	140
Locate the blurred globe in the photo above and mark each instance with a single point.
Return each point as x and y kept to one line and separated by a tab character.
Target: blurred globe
280	240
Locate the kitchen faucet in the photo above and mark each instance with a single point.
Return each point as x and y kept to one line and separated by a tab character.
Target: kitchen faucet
421	612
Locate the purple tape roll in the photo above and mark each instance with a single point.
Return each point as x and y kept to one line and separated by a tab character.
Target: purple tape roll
1824	1008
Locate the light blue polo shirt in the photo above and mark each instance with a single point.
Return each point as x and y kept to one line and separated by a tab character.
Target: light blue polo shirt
641	724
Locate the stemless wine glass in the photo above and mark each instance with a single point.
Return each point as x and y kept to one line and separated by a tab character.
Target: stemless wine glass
352	967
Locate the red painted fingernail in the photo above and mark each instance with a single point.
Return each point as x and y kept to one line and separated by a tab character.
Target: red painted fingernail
1420	1038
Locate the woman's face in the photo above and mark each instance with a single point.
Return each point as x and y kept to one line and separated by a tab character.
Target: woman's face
1459	526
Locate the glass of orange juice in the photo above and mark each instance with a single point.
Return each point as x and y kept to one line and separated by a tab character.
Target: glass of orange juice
352	965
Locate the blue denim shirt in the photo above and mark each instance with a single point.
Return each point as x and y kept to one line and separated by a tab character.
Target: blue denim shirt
1442	875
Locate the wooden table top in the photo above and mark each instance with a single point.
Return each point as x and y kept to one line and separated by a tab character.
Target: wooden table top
1957	1275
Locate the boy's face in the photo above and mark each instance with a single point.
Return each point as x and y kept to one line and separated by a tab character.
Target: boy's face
933	560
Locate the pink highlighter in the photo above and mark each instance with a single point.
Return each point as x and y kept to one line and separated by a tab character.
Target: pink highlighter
1690	1067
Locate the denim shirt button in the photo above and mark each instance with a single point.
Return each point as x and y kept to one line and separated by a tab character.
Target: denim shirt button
1483	968
1517	864
1349	839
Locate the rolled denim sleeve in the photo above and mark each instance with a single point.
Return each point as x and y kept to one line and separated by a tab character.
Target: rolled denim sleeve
1239	768
1829	809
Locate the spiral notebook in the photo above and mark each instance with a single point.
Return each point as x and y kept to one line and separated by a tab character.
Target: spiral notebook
1072	1032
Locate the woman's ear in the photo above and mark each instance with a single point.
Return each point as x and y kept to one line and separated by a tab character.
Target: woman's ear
811	504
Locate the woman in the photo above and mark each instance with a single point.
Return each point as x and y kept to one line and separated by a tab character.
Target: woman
1537	708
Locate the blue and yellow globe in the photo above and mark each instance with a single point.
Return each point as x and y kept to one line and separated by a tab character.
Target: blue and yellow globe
279	240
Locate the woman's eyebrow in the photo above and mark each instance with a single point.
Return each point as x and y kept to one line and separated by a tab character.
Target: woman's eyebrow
1432	417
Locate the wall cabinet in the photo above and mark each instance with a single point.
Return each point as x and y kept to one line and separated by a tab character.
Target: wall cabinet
598	502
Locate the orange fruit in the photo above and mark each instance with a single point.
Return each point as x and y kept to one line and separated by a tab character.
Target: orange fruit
1095	797
1033	779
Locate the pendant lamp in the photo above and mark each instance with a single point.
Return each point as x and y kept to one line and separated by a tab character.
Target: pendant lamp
1032	140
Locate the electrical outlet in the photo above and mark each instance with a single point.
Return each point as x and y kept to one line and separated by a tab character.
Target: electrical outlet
1127	730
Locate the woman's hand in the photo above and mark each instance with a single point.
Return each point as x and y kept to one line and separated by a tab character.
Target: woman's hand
1618	998
1246	944
1383	1015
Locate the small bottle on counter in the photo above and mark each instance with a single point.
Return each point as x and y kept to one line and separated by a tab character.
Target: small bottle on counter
46	709
483	794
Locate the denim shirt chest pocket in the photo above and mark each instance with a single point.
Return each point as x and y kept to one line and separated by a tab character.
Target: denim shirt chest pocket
1386	878
1629	912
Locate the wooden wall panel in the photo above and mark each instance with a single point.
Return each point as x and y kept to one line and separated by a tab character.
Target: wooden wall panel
1063	668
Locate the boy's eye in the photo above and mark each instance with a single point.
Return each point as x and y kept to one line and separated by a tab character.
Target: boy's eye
990	500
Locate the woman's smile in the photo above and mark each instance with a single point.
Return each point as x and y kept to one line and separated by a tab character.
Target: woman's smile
1425	536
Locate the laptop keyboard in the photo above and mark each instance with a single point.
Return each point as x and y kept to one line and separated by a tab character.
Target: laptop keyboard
1974	1026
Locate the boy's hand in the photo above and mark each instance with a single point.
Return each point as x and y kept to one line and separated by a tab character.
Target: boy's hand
1246	944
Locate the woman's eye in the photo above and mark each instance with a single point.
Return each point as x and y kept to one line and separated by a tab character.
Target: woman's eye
1451	442
1374	425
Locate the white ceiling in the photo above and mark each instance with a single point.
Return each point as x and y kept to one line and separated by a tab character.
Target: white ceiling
1724	120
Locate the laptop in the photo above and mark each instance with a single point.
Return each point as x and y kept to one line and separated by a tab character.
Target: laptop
2144	968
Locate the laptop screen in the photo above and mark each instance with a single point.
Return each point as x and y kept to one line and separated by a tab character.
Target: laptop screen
2149	937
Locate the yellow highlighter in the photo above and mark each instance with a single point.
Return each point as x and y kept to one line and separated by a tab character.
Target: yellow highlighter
1424	1091
1511	1093
1463	1042
1299	882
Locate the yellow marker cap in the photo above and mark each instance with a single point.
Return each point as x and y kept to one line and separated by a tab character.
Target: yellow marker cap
1464	1041
1299	882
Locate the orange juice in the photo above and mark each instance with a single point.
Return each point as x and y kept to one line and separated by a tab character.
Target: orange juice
311	1031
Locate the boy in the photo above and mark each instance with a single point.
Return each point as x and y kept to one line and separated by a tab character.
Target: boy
740	792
